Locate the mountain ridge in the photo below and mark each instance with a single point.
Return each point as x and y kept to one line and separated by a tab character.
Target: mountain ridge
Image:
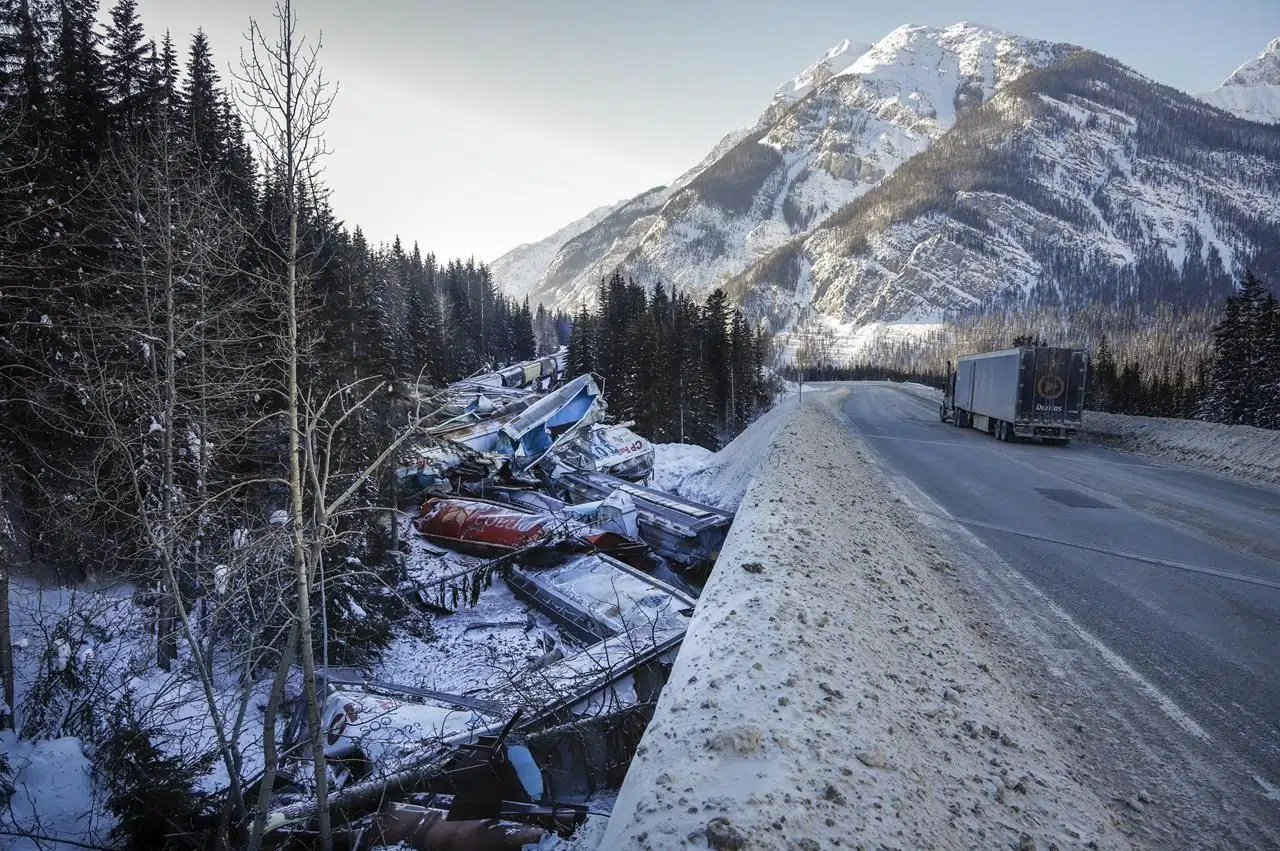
1252	91
806	209
970	221
862	116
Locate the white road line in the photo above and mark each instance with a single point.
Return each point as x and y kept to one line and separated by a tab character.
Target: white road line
1117	662
1162	562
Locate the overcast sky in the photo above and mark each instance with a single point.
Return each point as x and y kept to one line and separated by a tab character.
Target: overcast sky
472	126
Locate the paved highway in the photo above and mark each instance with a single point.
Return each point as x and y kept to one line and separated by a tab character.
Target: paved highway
1146	595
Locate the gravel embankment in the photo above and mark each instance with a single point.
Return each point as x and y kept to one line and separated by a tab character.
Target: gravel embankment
830	695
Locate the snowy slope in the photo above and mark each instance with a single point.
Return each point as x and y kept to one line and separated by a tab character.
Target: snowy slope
721	478
1082	181
829	135
817	74
1252	91
1240	450
520	266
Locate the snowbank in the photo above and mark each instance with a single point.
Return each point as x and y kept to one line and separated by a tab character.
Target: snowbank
1240	450
721	479
673	461
54	793
828	694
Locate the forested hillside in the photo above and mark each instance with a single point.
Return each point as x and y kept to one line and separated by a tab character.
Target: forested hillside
141	314
205	376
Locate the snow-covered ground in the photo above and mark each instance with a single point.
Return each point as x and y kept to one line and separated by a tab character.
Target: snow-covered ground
829	693
1236	449
673	461
52	792
463	655
77	652
721	478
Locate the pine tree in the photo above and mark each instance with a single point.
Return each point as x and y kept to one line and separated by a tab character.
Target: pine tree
524	339
1269	379
1102	381
165	86
79	100
1255	318
127	75
202	100
718	356
1223	400
581	355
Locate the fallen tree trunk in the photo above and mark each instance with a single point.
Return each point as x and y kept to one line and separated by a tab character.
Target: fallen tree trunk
368	795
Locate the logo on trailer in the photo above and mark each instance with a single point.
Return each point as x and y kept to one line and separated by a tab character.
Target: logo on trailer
1051	386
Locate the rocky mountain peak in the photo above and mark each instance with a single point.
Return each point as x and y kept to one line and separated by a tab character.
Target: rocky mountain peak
1252	91
929	172
1263	69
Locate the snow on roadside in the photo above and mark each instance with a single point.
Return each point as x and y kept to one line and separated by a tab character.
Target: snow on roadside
829	693
1237	449
721	479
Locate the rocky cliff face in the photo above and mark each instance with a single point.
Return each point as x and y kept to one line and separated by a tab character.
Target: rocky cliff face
829	135
1081	181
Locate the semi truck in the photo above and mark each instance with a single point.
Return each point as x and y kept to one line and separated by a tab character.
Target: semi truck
1025	392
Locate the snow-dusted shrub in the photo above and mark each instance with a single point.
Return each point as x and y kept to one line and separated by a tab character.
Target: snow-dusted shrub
150	783
365	609
72	689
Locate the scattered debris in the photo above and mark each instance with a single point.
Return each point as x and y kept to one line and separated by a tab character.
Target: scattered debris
616	450
481	527
723	836
528	496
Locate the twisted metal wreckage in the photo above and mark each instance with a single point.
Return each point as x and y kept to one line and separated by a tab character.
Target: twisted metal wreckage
524	483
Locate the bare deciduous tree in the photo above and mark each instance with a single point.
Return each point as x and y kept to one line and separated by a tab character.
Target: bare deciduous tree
281	85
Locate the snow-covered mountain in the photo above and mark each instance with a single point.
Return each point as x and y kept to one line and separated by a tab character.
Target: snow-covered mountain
942	168
827	136
1080	182
516	270
1253	90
